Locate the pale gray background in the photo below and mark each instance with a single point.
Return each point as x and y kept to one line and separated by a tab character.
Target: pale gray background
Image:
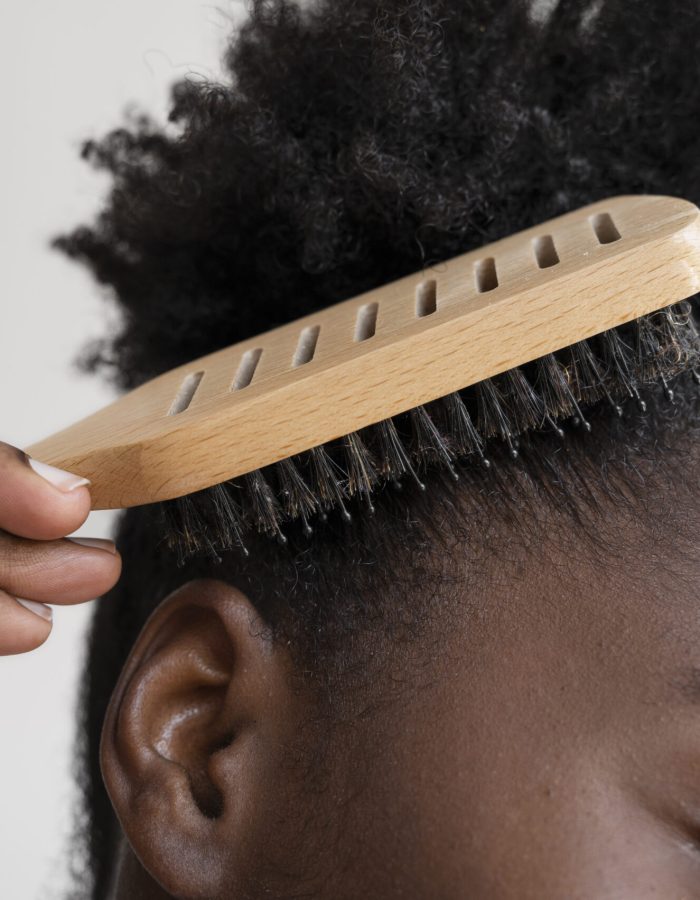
70	68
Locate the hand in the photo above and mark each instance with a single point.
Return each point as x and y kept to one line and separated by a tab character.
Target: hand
38	506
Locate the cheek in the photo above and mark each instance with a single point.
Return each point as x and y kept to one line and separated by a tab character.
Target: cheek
517	808
515	773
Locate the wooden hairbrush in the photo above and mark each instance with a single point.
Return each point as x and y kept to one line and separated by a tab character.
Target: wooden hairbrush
395	348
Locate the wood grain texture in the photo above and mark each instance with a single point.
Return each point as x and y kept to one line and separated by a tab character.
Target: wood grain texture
556	284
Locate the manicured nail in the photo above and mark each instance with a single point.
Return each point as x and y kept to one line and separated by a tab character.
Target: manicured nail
64	481
39	609
96	543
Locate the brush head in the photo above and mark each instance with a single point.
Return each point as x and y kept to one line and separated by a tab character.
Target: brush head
495	321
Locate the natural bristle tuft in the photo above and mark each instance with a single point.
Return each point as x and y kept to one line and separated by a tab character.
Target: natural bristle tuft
612	367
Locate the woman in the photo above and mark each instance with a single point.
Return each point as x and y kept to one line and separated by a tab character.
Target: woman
489	689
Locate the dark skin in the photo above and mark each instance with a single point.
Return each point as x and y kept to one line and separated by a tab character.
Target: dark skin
541	740
39	506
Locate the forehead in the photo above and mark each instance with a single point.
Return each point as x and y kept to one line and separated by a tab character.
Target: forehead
552	747
609	606
584	635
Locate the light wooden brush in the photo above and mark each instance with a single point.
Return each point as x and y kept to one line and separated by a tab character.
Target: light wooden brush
510	307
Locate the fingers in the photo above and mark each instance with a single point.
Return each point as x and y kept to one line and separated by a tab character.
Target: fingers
65	571
24	625
38	501
40	504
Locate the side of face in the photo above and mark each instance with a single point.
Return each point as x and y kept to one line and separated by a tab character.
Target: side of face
542	741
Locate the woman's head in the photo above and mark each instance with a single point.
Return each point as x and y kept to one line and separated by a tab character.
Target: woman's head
473	692
503	710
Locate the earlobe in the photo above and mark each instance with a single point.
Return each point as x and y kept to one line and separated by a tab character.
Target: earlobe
201	687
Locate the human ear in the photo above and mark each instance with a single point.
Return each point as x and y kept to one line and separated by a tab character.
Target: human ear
194	740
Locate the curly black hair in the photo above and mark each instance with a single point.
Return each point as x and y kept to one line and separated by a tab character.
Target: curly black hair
352	143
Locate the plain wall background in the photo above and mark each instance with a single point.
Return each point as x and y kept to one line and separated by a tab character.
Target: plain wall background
71	68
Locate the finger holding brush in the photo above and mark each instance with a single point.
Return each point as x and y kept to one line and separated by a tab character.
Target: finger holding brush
39	565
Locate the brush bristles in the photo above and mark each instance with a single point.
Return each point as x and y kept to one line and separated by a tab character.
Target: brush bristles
613	367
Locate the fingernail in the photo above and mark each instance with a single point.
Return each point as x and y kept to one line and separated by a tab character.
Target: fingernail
64	481
39	609
97	543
